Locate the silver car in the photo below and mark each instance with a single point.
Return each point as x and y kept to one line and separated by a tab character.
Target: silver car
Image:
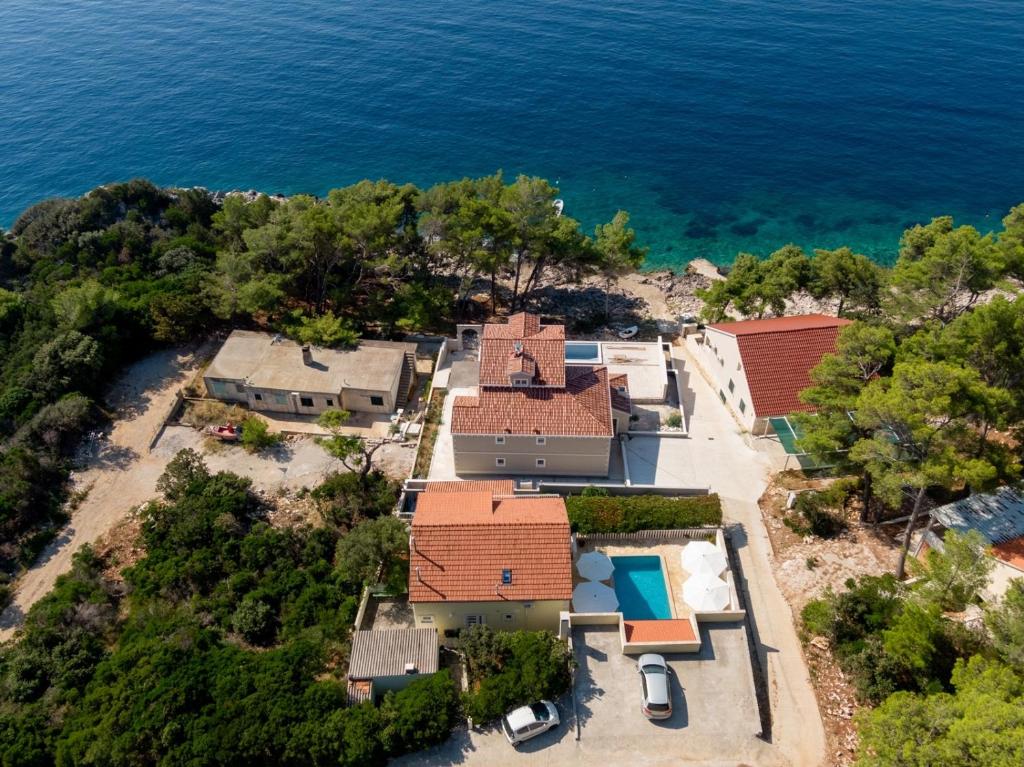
657	691
530	721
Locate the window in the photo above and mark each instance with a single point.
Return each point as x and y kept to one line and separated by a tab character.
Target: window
499	440
732	386
257	396
306	401
541	463
499	462
377	401
280	399
506	576
474	620
743	406
426	619
330	402
721	395
240	388
542	440
721	362
508	617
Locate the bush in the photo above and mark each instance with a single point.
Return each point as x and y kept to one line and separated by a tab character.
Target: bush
254	620
256	435
628	514
819	512
509	669
343	500
674	421
421	715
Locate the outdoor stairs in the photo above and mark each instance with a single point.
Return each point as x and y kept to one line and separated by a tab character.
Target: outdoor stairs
406	380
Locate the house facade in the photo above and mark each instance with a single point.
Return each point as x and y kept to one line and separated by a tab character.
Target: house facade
478	558
759	367
532	413
266	372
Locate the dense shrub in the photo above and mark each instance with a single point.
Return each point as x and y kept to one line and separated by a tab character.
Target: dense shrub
629	513
343	500
820	512
509	669
256	435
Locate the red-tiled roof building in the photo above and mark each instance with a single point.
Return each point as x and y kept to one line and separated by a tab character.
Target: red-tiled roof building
532	414
759	367
480	558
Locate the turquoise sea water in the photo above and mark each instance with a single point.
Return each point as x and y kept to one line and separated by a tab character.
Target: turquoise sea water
720	125
640	587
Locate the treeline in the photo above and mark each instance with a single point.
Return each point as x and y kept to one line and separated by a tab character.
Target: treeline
922	403
942	270
89	284
227	643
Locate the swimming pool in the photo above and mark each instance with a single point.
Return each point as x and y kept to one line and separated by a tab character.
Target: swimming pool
640	587
582	351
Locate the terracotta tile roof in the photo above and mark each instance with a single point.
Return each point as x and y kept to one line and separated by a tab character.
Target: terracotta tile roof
542	357
659	631
461	543
778	355
581	409
1011	552
620	399
496	486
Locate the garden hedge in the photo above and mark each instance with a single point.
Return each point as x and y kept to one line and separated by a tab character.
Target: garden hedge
628	514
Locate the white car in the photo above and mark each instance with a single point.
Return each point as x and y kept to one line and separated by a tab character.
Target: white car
528	722
657	690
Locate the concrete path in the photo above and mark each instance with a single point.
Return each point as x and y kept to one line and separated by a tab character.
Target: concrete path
720	456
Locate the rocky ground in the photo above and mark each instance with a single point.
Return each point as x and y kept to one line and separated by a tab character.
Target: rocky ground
804	567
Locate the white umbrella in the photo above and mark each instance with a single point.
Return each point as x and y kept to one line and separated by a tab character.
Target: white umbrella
595	566
702	556
594	597
706	593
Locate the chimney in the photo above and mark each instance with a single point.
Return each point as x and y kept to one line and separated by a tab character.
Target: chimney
307	355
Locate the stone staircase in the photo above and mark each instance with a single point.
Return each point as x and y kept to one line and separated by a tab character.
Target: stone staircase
407	379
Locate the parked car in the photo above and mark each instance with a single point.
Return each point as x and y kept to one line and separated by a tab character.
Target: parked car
530	721
657	692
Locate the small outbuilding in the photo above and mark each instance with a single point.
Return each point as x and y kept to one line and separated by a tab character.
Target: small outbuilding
389	660
271	373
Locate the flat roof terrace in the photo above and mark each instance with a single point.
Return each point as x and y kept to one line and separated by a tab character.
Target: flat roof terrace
642	362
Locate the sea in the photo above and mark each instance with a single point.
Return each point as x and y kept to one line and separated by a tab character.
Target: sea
720	125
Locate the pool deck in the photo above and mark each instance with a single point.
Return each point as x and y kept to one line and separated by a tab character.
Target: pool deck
671	564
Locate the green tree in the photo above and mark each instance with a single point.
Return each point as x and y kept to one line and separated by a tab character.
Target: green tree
952	579
376	543
941	271
327	331
256	435
185	471
85	306
981	724
70	361
1005	621
853	280
1011	241
921	435
355	453
242	285
615	243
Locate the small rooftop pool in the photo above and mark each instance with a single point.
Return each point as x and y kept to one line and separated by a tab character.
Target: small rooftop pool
640	587
581	352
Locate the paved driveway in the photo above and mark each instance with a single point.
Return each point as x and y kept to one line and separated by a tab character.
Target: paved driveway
714	719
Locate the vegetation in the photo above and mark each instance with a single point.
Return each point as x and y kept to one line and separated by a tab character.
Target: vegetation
820	512
590	513
227	649
256	435
512	668
87	285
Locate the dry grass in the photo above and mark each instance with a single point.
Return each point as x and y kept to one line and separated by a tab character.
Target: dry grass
211	413
431	422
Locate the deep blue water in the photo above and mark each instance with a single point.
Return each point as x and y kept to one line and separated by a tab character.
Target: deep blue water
640	587
719	125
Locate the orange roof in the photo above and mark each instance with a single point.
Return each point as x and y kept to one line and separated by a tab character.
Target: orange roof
1011	552
497	486
462	543
581	409
541	351
620	399
778	355
659	631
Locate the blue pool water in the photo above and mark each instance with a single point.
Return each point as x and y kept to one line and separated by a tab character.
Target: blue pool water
582	352
720	126
640	587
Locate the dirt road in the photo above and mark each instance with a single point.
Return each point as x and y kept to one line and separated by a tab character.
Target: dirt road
120	473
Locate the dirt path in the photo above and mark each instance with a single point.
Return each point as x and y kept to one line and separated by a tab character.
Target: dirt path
120	473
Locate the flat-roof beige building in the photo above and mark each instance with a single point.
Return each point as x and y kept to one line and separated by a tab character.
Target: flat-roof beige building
268	372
